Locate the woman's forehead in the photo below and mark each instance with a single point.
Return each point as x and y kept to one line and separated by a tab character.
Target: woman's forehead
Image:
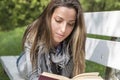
65	12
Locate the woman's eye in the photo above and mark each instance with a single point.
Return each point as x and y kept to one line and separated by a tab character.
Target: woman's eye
58	20
71	24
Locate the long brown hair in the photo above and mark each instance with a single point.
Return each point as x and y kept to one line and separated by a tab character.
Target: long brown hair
40	31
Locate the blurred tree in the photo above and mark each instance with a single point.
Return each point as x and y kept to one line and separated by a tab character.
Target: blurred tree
17	13
100	5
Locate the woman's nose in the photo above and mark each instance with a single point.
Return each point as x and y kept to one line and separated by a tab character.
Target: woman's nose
63	27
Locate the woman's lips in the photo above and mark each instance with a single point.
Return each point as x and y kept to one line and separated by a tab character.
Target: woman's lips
60	35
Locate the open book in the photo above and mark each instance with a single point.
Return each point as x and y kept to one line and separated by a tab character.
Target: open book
83	76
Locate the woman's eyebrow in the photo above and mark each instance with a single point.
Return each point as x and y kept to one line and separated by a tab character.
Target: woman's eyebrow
58	17
72	21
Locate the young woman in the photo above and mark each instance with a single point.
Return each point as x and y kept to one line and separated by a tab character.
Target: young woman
55	42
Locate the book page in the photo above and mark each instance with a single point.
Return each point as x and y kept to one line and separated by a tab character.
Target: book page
55	76
83	76
88	76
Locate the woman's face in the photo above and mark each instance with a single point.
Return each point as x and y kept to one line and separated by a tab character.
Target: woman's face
62	23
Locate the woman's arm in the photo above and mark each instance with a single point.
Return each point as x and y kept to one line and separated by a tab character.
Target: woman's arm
24	65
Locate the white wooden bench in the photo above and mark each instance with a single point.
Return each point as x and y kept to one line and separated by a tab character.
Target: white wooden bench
9	65
103	52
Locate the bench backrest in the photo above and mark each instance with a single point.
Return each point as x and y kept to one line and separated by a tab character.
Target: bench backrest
101	51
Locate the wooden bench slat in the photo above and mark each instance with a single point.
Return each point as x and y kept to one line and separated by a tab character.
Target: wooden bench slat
105	23
9	65
104	52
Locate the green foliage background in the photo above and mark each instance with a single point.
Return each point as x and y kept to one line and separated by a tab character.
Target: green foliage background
18	13
100	5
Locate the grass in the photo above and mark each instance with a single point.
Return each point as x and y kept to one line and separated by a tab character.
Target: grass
94	67
3	75
10	44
